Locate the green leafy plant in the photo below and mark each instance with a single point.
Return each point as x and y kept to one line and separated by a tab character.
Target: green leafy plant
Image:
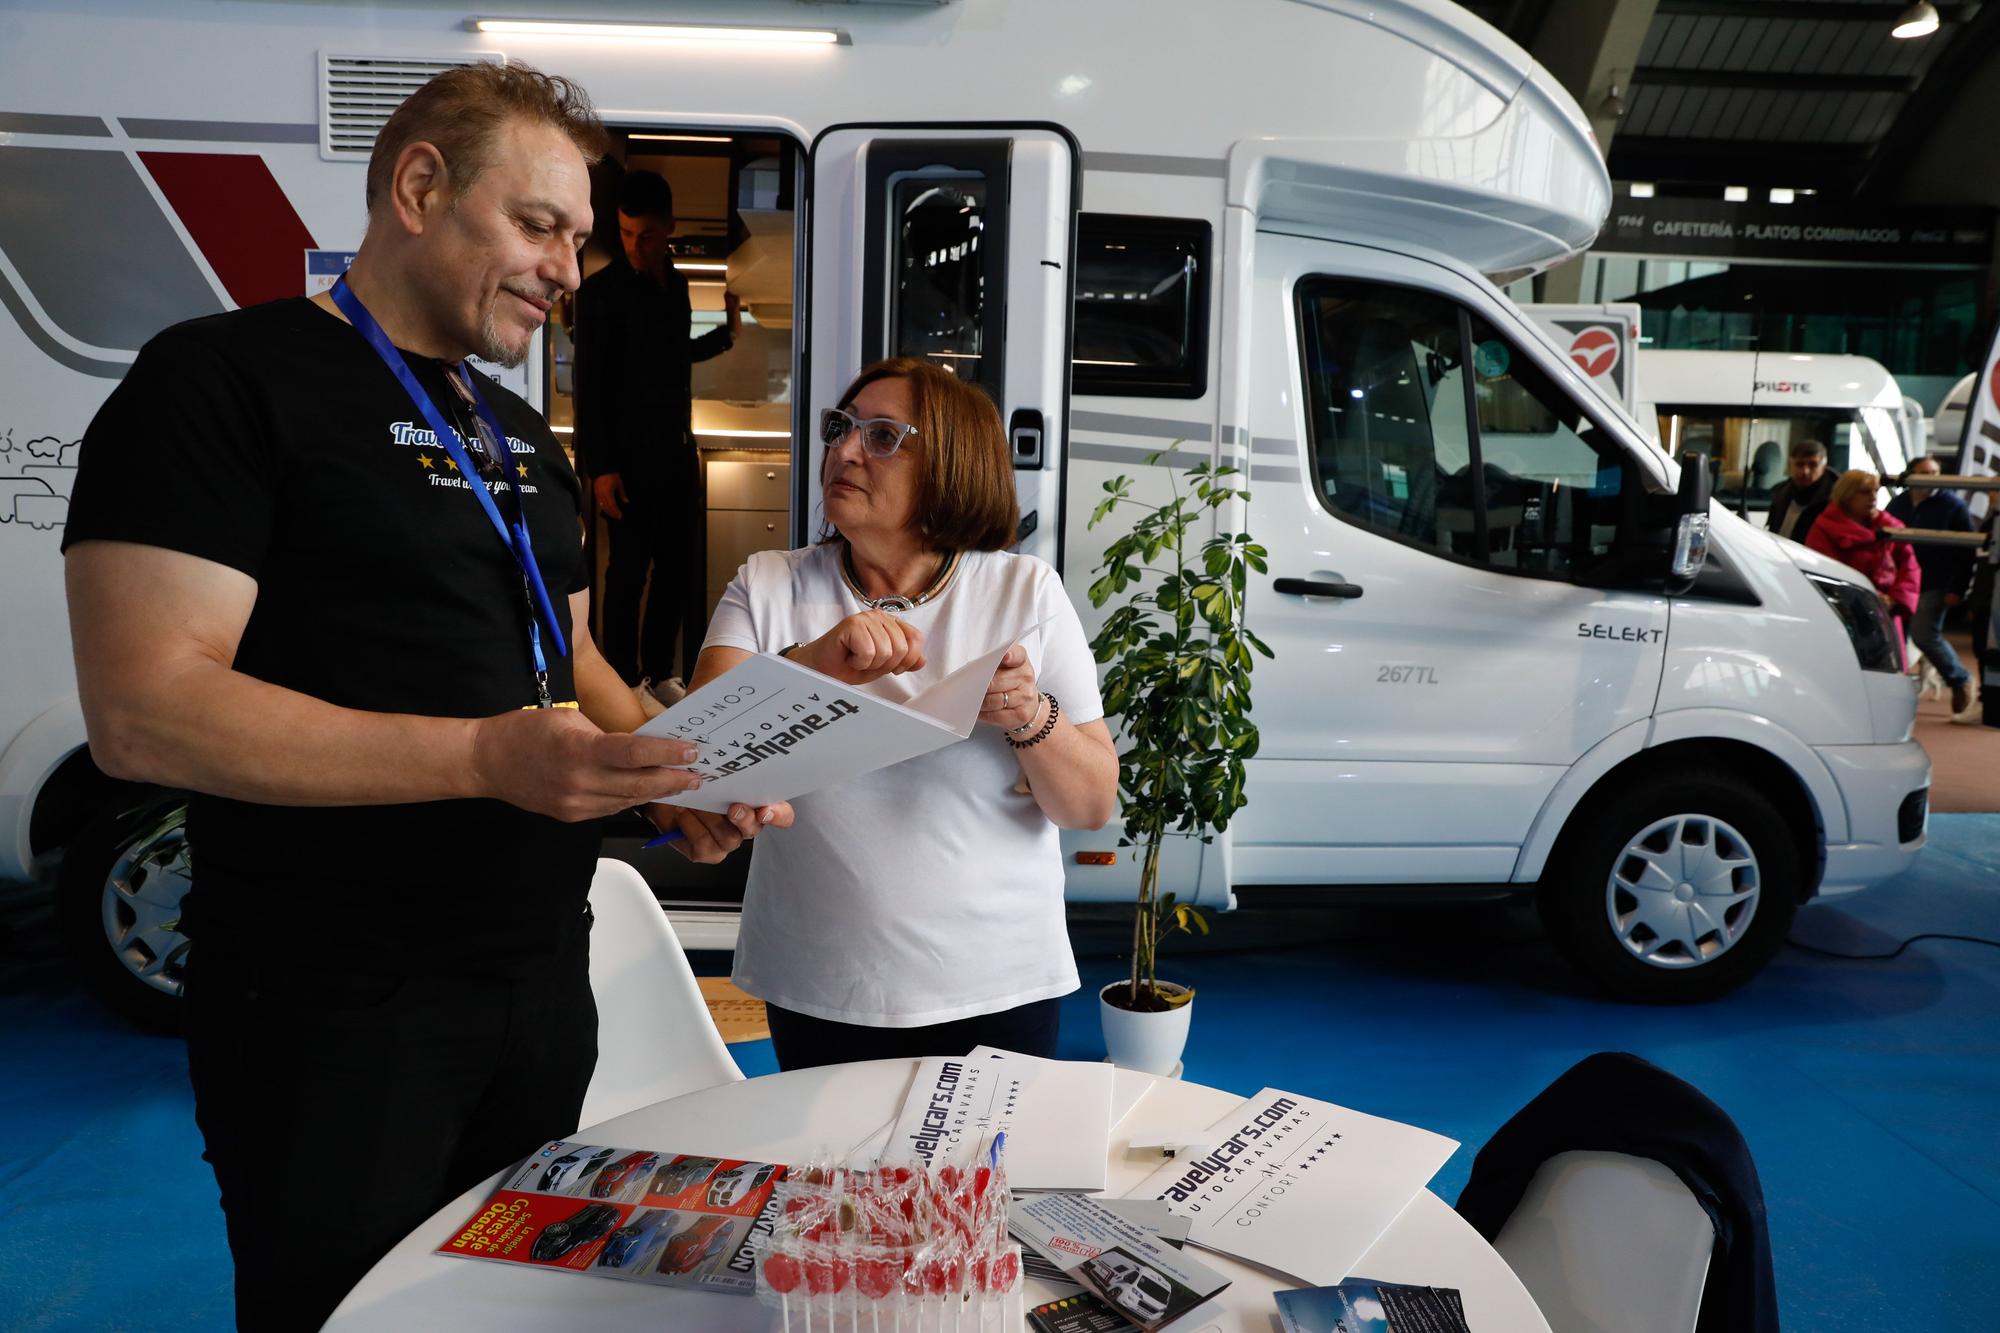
1179	683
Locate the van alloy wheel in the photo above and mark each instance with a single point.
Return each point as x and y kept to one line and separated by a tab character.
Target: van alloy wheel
118	904
1683	892
1675	886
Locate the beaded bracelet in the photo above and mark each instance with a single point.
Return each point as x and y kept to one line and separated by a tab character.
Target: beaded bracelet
1055	711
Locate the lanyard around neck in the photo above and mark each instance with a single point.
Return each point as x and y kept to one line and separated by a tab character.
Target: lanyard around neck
515	534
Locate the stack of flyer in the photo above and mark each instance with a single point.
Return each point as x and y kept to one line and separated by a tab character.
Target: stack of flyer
672	1219
1299	1186
1055	1114
1135	1276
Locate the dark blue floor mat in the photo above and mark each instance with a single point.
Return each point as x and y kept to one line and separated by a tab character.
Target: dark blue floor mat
1867	1090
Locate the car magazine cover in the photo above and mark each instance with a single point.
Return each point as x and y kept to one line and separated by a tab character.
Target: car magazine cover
1116	1260
1361	1306
673	1219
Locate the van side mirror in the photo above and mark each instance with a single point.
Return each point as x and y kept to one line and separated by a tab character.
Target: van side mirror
1691	529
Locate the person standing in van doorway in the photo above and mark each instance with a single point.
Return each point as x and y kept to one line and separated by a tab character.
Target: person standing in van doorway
326	577
1947	573
1804	493
634	356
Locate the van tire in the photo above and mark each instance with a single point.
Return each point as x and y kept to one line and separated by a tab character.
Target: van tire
1737	839
123	875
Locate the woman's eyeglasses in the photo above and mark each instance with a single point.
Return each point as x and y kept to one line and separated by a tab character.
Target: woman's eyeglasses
881	437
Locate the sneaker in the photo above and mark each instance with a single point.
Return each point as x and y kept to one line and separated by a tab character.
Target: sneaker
1974	712
1961	698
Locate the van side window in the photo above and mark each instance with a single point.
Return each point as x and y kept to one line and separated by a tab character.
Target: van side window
1141	306
1503	470
1387	411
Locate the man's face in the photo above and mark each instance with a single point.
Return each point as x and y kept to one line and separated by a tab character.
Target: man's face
507	249
1805	469
1925	467
645	240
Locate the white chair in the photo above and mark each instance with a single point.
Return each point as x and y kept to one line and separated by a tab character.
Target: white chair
1608	1243
655	1038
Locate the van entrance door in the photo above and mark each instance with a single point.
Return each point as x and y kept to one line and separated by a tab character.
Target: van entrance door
1444	524
953	244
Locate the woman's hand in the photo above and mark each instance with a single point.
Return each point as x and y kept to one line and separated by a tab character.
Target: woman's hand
1011	697
864	647
706	837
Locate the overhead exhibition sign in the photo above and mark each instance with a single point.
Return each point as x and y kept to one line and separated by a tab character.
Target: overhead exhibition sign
1805	232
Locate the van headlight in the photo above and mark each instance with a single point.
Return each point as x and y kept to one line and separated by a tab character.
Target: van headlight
1869	628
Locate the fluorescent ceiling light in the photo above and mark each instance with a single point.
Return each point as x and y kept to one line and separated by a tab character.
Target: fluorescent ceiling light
1641	189
1919	20
1780	195
682	138
701	266
662	32
1736	194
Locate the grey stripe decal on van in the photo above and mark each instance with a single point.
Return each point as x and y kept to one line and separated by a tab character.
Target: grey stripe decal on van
1156	164
1130	455
1264	444
29	122
1287	475
49	347
1159	428
220	131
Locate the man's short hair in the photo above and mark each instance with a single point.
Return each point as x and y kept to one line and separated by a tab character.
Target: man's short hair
462	111
646	194
1808	449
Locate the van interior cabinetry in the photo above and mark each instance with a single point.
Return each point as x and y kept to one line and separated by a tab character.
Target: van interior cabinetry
749	494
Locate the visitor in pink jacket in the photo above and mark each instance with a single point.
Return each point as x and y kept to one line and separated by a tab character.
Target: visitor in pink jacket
1852	530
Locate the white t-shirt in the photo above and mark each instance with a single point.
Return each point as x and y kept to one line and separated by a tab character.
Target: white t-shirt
930	890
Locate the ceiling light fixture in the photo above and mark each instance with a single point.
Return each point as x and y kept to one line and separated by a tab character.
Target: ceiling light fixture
1781	195
1612	107
1919	20
1640	189
662	32
682	138
1736	194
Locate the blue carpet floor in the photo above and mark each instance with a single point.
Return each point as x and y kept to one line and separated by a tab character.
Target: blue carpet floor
1867	1090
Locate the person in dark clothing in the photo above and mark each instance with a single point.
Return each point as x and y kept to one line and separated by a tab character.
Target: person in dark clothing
1947	573
1808	485
326	577
634	435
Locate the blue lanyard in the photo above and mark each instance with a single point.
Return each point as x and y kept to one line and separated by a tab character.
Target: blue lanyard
515	535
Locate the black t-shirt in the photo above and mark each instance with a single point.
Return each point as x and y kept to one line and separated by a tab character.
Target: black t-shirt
273	440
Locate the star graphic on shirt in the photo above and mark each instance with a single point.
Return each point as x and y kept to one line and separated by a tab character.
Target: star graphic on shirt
521	468
425	459
451	463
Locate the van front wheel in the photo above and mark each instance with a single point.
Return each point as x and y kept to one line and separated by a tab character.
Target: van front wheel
119	906
1676	891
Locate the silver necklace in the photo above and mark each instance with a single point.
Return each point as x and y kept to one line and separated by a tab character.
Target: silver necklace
946	570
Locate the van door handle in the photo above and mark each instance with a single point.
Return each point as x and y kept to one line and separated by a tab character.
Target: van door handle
1309	588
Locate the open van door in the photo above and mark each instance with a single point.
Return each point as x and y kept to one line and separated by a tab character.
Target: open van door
951	243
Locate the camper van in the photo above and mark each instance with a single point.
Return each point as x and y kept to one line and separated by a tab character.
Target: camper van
1502	662
1744	411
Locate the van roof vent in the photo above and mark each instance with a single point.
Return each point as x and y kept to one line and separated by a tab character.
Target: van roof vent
357	95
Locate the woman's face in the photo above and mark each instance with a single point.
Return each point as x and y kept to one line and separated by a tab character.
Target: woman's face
1860	506
867	496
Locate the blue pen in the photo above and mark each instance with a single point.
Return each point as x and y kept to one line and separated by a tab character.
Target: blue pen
671	835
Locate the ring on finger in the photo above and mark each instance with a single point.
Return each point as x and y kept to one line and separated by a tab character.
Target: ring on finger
1006	699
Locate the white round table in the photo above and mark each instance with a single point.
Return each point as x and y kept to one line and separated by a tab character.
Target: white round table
783	1118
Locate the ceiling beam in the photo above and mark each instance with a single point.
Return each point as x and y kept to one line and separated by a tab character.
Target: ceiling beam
1662	76
1835	168
1806	10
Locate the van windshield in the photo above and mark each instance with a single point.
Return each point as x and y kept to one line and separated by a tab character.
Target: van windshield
1747	452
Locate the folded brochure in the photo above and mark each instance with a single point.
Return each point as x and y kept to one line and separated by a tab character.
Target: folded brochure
770	729
1116	1260
1056	1115
1299	1186
675	1220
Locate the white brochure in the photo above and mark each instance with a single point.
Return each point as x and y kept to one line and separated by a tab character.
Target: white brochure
1056	1115
1299	1186
770	729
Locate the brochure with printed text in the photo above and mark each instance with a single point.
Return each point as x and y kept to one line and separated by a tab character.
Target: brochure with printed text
1056	1115
1361	1306
1116	1260
642	1216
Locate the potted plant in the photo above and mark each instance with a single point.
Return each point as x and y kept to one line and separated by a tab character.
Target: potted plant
1179	685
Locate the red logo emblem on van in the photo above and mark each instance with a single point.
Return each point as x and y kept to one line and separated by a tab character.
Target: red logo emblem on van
1595	351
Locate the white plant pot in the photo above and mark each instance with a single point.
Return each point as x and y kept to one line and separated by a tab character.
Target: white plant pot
1151	1043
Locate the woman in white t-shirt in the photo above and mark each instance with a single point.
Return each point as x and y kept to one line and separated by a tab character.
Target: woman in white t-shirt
918	909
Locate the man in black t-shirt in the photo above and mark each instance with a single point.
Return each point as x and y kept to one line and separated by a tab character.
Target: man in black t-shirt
287	597
634	354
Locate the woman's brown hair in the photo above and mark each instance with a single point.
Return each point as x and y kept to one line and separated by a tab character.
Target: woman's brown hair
965	479
1852	482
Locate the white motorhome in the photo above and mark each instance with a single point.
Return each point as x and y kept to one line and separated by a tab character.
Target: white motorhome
1603	341
1744	410
1487	674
